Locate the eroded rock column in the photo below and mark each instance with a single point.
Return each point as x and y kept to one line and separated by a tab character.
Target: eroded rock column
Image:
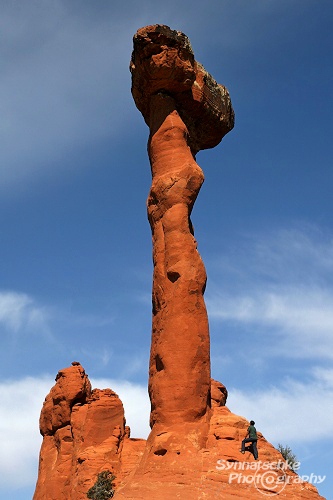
179	375
83	434
186	110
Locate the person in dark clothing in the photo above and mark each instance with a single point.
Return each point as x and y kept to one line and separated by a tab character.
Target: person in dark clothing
251	437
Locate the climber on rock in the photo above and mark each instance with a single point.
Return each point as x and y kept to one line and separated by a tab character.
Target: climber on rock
251	437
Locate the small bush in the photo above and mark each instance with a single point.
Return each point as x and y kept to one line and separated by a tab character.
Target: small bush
288	455
102	489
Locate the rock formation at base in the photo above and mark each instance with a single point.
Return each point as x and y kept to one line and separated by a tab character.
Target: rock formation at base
84	433
192	451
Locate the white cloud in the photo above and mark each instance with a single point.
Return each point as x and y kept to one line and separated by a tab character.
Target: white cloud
303	253
301	317
325	376
281	284
21	403
284	412
19	312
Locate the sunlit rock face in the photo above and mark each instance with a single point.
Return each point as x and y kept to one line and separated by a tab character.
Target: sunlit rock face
186	110
83	434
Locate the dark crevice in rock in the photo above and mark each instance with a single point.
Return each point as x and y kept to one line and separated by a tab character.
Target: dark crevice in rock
160	452
173	276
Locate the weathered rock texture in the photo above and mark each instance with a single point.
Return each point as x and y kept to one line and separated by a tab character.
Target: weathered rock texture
186	110
206	474
194	437
163	63
84	433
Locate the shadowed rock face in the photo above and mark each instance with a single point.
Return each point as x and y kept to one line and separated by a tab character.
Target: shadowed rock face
186	110
163	62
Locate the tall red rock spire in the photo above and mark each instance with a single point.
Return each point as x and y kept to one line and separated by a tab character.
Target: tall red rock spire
186	110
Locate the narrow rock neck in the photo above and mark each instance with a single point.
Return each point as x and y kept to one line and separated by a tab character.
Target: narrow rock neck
179	375
168	141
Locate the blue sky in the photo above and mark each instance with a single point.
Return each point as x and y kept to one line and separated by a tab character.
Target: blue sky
75	252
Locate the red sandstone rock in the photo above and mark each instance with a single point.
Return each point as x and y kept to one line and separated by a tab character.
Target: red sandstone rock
83	433
95	439
206	474
163	62
186	110
218	393
72	387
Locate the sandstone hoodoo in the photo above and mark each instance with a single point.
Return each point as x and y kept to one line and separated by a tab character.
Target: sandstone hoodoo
83	433
193	450
186	110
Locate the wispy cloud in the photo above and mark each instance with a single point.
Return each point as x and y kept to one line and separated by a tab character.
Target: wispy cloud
280	409
282	284
20	313
303	254
21	402
99	357
300	319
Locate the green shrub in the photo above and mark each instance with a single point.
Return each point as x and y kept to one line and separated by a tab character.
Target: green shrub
288	455
102	489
